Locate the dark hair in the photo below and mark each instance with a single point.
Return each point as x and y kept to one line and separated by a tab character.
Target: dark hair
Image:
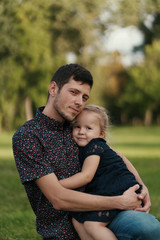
79	73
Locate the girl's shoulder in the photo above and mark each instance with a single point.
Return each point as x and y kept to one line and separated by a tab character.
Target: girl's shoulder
97	140
95	147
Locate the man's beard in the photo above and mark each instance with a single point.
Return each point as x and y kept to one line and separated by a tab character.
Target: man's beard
62	114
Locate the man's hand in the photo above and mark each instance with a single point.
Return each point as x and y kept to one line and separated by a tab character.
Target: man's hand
146	203
131	200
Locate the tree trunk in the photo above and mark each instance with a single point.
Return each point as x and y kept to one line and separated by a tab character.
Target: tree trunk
28	108
124	118
158	119
148	117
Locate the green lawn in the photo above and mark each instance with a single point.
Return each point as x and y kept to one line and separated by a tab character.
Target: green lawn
17	222
141	145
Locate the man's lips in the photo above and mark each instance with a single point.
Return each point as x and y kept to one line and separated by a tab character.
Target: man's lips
75	110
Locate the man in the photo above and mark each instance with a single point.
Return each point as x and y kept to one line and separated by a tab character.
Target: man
45	153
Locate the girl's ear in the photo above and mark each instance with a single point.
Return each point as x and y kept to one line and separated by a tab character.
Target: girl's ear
53	88
102	134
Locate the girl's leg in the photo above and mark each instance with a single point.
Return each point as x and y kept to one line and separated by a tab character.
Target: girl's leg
98	231
79	227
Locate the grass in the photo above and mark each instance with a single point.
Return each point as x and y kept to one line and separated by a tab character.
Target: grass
17	221
141	145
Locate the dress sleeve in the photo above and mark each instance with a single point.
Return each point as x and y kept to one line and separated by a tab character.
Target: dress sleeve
29	157
95	147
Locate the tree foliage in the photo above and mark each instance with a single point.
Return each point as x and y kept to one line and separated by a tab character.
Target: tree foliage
26	60
138	100
36	38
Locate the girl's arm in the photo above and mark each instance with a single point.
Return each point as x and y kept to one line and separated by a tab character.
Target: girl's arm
86	175
145	193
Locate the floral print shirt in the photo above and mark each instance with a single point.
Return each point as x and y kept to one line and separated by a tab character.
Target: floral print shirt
43	146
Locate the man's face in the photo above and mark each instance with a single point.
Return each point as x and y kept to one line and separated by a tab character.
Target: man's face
70	100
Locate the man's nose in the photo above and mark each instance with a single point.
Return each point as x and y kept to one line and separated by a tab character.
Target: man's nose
79	100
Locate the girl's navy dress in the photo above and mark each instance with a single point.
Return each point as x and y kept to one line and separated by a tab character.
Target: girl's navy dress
112	178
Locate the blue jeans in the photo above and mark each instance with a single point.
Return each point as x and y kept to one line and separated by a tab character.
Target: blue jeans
134	225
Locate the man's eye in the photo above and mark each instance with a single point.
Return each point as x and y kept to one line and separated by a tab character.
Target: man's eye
85	99
73	92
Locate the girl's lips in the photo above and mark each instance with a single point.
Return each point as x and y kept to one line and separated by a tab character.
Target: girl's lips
81	139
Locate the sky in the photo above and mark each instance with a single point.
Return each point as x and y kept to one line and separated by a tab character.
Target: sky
123	40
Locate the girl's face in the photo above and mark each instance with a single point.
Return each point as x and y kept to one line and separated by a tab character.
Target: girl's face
86	127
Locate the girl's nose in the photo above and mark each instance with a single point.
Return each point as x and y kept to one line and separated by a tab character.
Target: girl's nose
81	131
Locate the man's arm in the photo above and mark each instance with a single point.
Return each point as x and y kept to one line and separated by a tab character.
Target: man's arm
70	200
144	196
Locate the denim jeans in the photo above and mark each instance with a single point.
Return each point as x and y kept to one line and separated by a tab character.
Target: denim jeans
134	225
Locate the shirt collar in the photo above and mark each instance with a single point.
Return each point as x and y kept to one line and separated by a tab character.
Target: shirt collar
50	122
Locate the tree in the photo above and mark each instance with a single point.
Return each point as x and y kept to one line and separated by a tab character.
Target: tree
76	27
8	48
146	77
138	99
25	63
39	36
115	78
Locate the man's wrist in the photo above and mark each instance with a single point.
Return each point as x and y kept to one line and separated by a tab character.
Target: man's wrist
117	202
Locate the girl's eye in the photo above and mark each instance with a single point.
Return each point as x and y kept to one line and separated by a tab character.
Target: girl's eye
76	126
89	128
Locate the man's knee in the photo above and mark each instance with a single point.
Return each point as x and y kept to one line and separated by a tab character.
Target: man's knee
150	228
136	225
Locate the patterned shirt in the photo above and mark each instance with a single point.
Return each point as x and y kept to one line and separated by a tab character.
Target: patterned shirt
43	146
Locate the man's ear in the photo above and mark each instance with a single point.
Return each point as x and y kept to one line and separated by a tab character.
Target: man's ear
53	88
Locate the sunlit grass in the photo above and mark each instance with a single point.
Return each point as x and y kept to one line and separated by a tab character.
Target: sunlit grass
5	146
17	220
141	145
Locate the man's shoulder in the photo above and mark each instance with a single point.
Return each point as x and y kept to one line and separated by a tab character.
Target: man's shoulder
28	127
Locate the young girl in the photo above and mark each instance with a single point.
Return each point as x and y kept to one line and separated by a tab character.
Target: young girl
103	172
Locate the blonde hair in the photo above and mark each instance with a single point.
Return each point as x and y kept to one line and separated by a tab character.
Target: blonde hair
102	114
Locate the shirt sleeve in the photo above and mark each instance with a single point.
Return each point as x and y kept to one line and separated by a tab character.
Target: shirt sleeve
29	157
95	147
